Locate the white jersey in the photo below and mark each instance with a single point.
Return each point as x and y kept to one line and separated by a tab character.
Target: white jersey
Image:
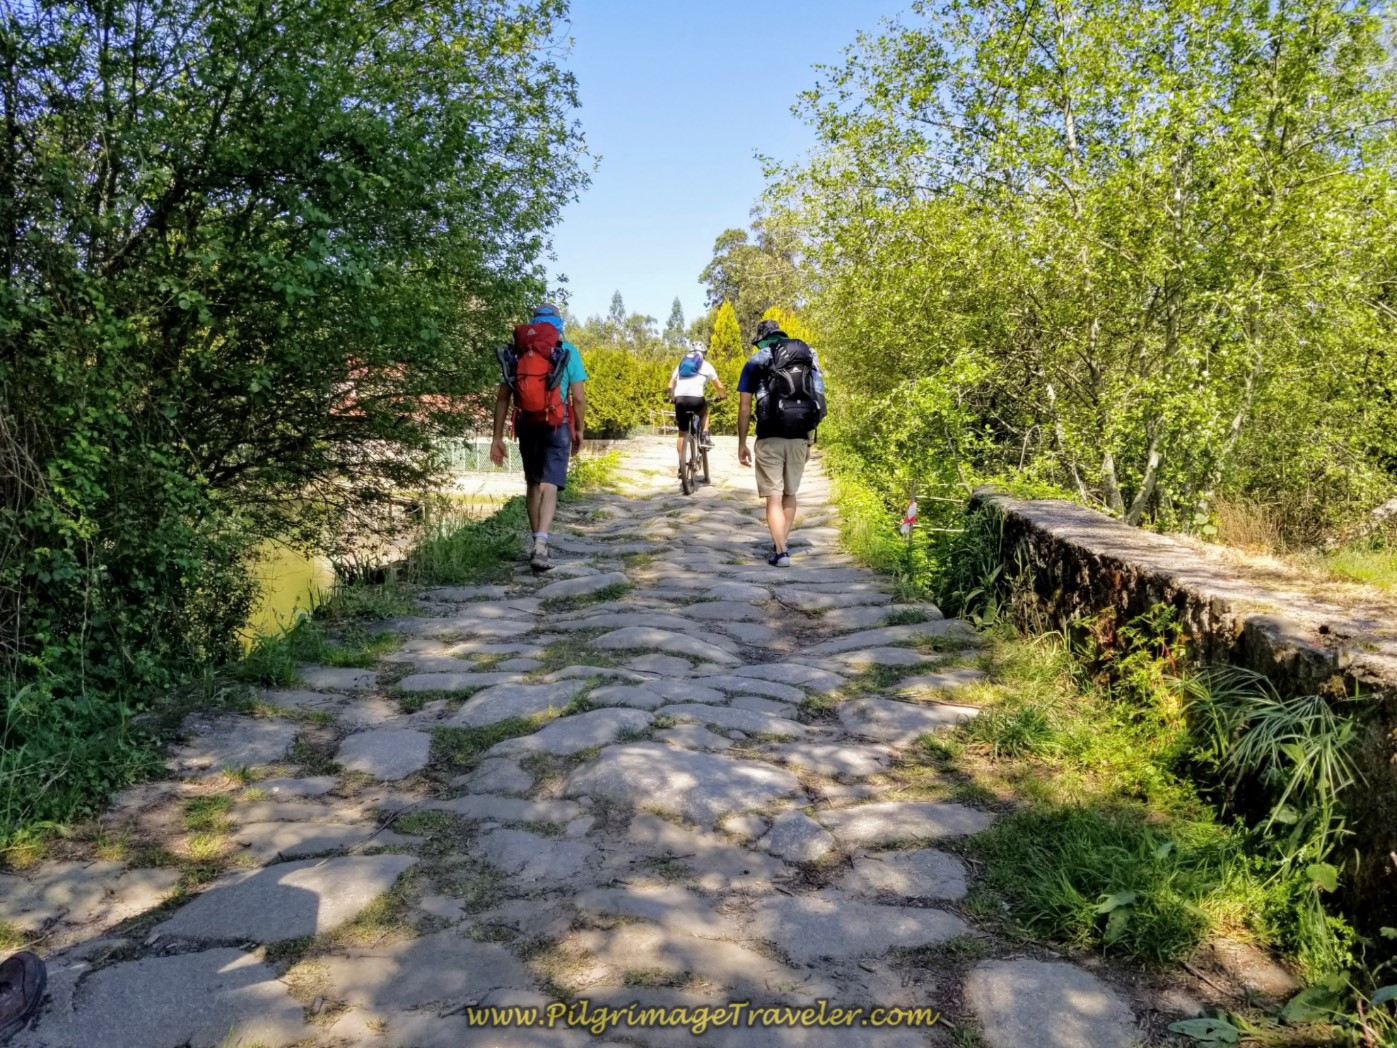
693	387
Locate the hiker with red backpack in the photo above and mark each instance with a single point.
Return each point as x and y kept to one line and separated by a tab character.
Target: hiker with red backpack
544	376
686	388
782	382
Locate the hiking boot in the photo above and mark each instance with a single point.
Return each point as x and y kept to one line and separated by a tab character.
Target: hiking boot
23	979
539	560
779	560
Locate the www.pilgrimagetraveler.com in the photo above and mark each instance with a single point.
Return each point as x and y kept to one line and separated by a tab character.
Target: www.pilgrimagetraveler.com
600	1019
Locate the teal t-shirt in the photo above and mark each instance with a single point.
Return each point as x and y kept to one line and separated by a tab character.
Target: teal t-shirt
574	372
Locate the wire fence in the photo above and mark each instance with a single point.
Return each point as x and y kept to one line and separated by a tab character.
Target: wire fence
471	454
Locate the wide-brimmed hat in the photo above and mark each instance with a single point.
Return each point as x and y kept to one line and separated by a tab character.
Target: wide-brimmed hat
765	329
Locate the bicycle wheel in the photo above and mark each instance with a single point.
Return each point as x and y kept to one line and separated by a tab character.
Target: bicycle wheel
686	475
704	453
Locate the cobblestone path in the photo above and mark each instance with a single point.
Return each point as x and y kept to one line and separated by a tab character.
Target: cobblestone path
655	775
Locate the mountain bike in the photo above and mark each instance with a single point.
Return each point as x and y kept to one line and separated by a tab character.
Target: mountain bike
695	454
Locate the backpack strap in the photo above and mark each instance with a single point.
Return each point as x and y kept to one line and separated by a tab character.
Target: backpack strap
509	365
561	355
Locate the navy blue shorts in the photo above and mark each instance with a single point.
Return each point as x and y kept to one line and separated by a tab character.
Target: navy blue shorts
545	452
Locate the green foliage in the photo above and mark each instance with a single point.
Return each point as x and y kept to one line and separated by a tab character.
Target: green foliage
625	391
753	272
1095	878
1140	253
255	253
1293	749
460	749
272	659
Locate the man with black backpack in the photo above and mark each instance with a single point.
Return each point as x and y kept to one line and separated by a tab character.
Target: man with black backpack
783	378
687	384
545	378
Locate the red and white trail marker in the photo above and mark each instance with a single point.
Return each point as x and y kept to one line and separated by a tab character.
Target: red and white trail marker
910	519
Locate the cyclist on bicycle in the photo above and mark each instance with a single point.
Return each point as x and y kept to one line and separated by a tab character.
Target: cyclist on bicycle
686	386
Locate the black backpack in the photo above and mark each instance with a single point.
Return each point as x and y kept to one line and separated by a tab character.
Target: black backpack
793	398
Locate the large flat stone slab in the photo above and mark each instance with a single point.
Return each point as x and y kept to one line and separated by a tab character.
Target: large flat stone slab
717	863
387	753
671	665
613	620
926	873
457	681
834	760
217	997
891	822
733	685
725	965
953	629
796	837
100	893
497	775
287	901
528	858
796	674
581	586
727	611
693	737
701	787
441	969
941	681
299	700
899	723
314	786
503	701
589	672
1047	1003
738	591
686	691
336	678
508	809
831	924
736	719
637	696
582	731
861	659
646	638
828	598
229	741
669	906
266	841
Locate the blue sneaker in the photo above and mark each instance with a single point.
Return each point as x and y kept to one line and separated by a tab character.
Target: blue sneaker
779	560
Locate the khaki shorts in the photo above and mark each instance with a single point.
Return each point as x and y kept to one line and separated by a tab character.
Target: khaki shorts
780	464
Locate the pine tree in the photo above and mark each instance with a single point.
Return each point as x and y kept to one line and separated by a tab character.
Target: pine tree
674	327
617	315
726	343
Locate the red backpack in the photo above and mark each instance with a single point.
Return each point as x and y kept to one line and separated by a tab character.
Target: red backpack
534	368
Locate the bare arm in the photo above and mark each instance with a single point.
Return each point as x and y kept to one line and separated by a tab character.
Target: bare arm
501	411
577	397
744	418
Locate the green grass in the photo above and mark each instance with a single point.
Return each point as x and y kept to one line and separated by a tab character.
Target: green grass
1374	565
1150	889
906	617
459	749
272	660
582	600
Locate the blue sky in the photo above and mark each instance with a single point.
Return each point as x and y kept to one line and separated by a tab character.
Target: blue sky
677	97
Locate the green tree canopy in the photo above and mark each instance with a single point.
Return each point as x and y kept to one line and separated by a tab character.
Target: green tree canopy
674	326
1138	251
754	272
255	252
